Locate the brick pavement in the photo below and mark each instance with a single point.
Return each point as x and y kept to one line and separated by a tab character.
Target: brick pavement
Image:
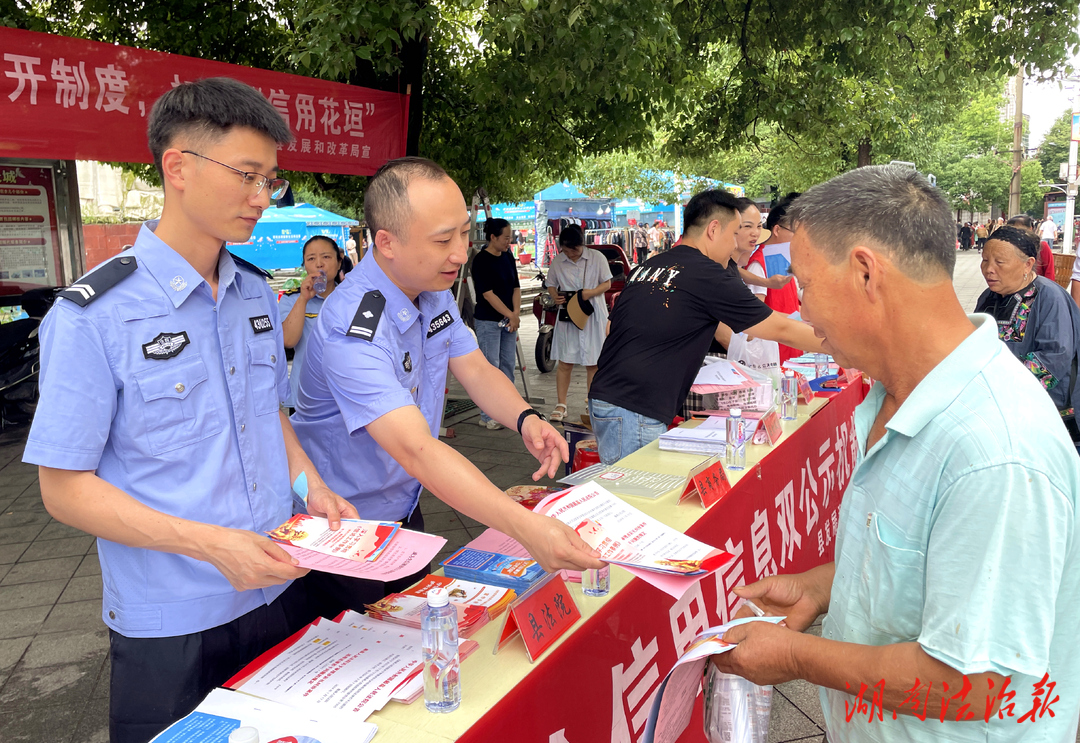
53	668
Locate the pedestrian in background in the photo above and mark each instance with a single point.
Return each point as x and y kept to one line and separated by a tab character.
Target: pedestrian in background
326	266
585	272
498	303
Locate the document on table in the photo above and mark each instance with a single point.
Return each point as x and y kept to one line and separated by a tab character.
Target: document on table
355	539
625	536
331	668
721	372
224	711
626	481
407	553
673	704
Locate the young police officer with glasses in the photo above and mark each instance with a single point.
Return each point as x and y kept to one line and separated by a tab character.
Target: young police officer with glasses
159	428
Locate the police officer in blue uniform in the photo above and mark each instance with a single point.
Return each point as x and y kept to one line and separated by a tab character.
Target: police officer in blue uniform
159	428
370	400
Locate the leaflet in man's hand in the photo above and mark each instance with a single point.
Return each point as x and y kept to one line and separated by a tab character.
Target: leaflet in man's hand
355	539
625	536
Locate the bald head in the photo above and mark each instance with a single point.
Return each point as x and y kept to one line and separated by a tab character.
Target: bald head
386	201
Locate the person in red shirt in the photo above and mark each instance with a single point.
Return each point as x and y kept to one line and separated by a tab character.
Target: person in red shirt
786	298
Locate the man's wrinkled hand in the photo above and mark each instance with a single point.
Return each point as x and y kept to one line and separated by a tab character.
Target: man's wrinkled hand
764	653
781	596
546	444
555	545
324	502
249	560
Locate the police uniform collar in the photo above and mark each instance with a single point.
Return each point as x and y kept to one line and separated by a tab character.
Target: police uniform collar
398	306
176	276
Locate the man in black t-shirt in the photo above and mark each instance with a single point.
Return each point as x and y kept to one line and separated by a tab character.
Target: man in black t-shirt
498	302
663	322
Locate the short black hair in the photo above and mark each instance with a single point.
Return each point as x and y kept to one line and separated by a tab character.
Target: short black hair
493	227
742	204
708	205
1022	220
890	208
572	236
208	110
1026	241
778	214
386	200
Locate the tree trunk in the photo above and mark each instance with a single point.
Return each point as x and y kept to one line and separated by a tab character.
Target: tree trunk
414	62
864	153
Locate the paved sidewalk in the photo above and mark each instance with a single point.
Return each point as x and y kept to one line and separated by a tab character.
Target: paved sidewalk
53	669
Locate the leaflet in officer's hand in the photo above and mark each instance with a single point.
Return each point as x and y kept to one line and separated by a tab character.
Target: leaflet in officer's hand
673	704
355	539
625	536
401	554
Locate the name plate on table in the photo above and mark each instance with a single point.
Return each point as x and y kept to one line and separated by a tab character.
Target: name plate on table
805	392
541	616
771	424
852	375
707	481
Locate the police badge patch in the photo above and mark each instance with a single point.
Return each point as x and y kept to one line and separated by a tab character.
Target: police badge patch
406	362
261	324
165	345
441	322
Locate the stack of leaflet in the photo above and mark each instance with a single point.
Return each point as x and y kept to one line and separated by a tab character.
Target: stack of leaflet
709	438
735	385
493	569
476	604
352	665
374	550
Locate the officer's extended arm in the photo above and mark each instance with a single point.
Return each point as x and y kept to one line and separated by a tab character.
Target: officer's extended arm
85	501
404	434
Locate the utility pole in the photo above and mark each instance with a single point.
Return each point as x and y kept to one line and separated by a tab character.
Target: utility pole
1018	139
1070	181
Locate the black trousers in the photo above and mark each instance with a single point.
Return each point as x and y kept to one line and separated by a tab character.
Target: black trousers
157	680
332	594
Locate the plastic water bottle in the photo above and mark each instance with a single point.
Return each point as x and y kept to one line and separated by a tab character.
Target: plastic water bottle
439	636
821	365
789	396
320	282
596	582
735	451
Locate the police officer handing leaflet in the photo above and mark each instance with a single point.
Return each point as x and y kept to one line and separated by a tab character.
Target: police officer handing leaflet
159	428
371	392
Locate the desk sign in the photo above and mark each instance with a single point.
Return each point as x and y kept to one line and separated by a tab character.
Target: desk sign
771	423
805	392
707	481
852	375
541	616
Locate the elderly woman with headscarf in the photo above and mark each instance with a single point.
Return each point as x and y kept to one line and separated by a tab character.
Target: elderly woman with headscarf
1036	318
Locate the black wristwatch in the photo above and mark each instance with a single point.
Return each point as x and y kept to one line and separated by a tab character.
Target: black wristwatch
525	414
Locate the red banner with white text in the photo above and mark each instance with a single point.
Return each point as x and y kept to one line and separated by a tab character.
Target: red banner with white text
71	99
781	517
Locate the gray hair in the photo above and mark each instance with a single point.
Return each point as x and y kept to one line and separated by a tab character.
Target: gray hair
889	208
386	200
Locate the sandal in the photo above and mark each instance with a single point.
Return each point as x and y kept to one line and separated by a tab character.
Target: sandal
558	414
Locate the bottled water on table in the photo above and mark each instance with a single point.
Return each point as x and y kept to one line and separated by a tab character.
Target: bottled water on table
439	636
596	582
789	396
735	451
821	365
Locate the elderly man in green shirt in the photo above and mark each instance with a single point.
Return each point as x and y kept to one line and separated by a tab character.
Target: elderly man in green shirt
951	609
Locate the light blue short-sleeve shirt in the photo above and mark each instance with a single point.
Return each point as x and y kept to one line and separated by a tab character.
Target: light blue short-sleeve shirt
173	398
347	382
958	531
311	314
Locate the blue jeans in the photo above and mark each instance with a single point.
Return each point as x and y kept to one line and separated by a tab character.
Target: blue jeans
498	347
621	432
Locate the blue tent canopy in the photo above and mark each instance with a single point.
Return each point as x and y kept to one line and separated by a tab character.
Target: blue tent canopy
282	231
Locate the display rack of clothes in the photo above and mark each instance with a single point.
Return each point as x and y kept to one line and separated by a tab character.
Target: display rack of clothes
609	236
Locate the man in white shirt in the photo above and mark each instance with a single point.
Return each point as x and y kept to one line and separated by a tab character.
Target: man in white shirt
1048	231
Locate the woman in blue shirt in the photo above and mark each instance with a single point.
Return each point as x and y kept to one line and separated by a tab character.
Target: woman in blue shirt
326	266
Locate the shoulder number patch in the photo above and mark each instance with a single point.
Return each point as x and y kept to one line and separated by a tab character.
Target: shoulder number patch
261	324
441	322
165	345
368	314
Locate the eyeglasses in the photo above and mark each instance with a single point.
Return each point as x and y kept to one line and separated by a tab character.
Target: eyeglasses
258	181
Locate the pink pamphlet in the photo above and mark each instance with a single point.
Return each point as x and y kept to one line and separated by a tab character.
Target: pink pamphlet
407	553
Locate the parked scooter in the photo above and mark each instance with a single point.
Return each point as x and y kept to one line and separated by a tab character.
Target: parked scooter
20	356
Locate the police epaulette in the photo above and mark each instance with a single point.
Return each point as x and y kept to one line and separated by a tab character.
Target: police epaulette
251	266
367	316
292	291
97	282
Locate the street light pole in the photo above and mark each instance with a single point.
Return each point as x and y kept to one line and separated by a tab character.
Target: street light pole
1070	188
1018	139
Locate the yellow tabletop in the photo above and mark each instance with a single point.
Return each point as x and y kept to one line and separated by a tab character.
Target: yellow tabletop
487	678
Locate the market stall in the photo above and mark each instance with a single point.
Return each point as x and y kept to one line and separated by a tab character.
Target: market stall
281	232
597	681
